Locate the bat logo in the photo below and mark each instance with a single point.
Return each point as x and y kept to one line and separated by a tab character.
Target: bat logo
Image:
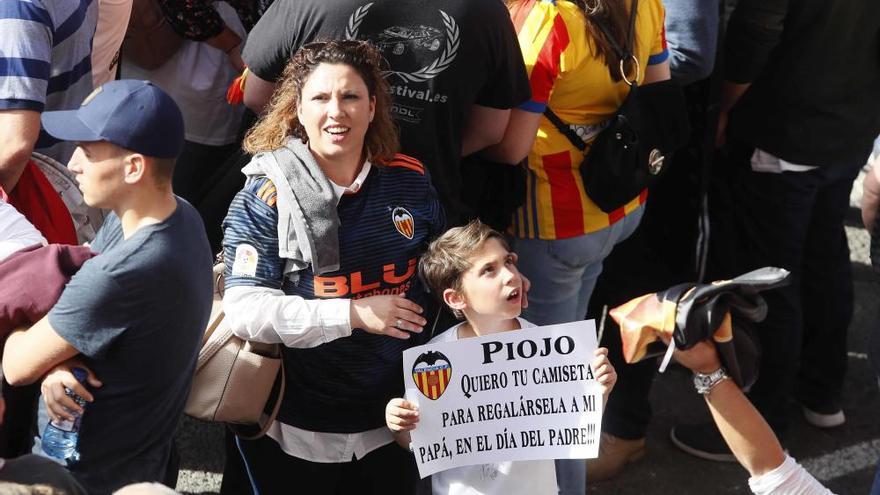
403	222
432	373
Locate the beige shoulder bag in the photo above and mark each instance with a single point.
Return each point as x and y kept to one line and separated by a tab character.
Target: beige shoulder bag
234	377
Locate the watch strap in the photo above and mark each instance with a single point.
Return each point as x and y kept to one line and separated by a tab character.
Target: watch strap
705	382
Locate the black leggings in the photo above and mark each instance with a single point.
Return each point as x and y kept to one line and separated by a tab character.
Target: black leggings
386	470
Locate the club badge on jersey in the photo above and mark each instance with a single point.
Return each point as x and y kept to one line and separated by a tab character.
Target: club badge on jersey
403	222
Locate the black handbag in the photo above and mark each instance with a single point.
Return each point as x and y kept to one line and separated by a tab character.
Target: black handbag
633	150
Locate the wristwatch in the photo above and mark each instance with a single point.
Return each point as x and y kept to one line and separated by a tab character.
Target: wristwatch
704	383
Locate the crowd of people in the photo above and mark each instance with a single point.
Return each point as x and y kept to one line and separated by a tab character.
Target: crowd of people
377	175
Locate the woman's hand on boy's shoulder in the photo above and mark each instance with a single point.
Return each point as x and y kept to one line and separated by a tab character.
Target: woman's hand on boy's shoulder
401	415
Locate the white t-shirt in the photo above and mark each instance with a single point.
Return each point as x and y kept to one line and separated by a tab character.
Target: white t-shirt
500	478
16	232
197	77
790	478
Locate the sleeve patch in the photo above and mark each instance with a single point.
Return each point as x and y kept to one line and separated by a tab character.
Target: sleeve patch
267	193
245	264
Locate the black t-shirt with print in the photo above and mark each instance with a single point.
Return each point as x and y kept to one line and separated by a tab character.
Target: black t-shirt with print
444	56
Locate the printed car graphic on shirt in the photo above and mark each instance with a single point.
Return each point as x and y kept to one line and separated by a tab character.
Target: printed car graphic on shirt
396	38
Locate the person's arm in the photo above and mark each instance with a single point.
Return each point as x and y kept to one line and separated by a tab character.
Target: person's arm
730	94
263	314
518	138
268	315
229	43
257	92
871	195
21	128
485	126
23	92
754	30
256	307
271	44
506	85
748	435
746	432
657	72
30	353
692	34
197	20
657	65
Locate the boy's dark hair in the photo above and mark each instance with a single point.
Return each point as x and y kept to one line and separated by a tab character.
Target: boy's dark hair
448	257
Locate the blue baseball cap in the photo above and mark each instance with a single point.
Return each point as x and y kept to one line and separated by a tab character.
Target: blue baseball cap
136	115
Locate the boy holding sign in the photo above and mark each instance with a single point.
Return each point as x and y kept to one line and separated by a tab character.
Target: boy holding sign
473	271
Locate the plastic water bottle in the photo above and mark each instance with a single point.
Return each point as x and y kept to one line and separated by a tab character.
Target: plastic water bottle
60	437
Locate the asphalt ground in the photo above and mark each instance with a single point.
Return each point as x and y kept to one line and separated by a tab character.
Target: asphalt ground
843	458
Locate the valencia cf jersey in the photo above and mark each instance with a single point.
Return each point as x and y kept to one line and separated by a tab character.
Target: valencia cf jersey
384	228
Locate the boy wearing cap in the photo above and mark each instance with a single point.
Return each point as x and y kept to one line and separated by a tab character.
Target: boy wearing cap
134	315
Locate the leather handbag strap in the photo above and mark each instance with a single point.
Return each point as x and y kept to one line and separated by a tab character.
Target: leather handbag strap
213	342
264	427
566	130
622	52
626	52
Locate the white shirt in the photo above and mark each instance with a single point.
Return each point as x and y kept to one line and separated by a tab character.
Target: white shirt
355	185
765	162
16	232
499	478
790	478
269	315
197	76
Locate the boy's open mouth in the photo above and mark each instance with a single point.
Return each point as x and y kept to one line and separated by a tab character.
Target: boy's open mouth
513	295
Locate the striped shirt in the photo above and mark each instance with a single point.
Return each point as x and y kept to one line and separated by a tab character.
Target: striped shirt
45	59
384	228
566	74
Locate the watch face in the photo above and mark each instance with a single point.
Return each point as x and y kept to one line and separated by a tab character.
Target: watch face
704	382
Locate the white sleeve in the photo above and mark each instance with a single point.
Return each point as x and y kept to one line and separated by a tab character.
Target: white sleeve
15	231
790	478
267	315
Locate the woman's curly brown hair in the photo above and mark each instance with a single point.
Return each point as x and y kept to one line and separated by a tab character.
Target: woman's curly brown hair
280	120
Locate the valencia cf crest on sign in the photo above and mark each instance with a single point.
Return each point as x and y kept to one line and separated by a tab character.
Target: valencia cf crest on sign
432	373
403	222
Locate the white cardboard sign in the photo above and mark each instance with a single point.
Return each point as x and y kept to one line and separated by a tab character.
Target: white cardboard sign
521	395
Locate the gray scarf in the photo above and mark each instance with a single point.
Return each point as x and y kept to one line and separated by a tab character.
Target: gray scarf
308	224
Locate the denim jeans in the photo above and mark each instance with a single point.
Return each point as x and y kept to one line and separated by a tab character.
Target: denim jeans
563	273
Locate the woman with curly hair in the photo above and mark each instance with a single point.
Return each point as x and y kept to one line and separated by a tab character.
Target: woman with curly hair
321	248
